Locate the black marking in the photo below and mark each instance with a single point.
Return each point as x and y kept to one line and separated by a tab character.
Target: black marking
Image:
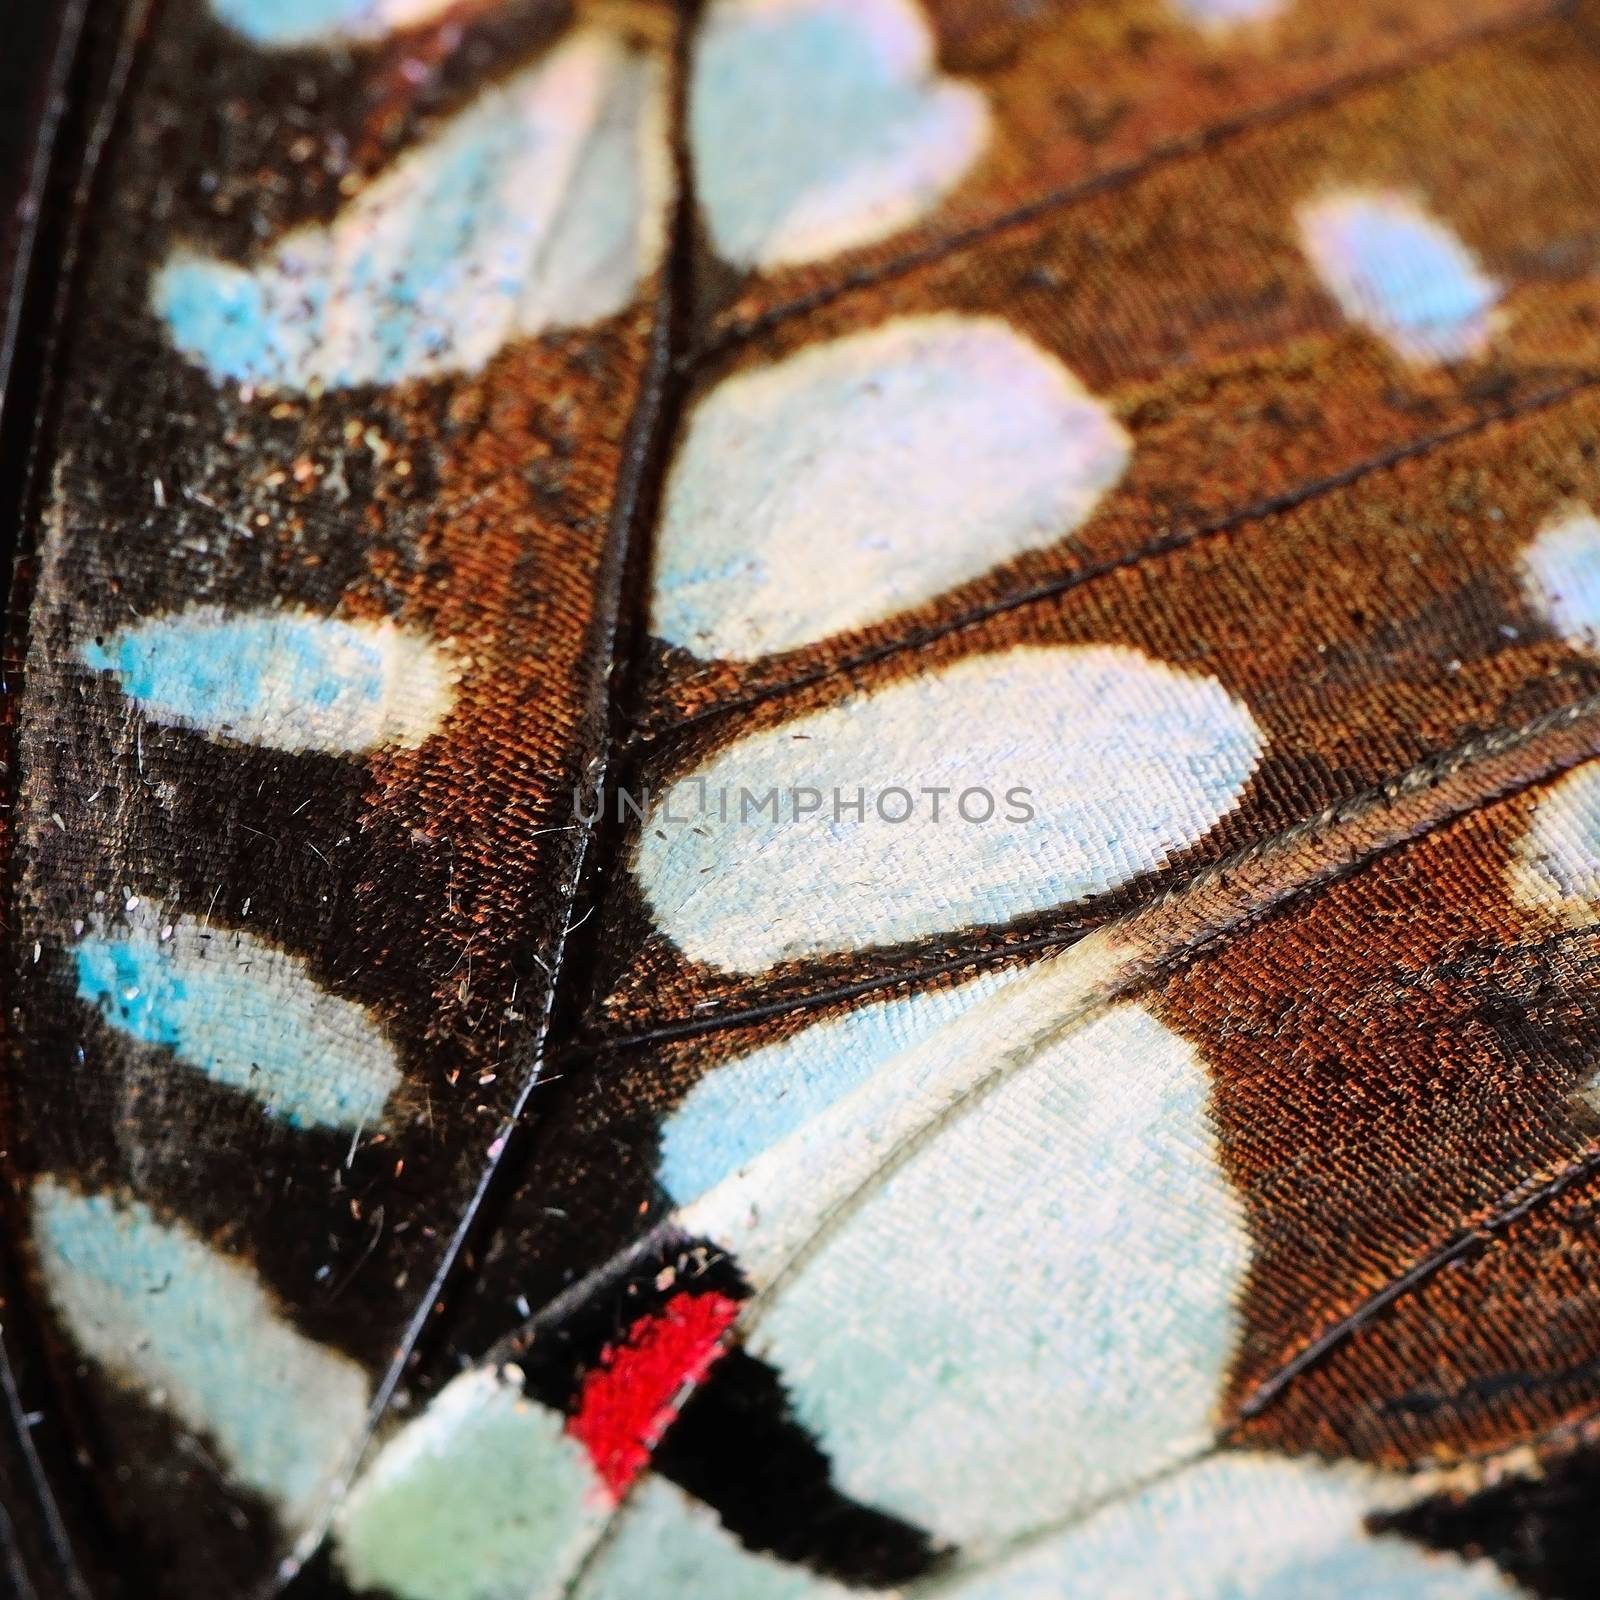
1543	1533
738	1446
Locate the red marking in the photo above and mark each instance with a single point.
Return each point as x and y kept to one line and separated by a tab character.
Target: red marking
627	1402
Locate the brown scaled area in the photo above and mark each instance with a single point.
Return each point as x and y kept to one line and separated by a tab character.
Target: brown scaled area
1079	92
1184	301
507	566
1376	627
1396	1063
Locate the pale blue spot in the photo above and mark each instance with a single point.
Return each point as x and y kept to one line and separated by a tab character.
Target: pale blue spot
246	1014
666	1545
509	221
817	125
1561	576
1403	274
867	475
752	1103
286	679
195	1333
1556	868
1038	1307
1120	762
224	313
282	24
1241	1527
483	1496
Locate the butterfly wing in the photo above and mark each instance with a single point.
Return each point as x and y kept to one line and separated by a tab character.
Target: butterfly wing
977	622
321	602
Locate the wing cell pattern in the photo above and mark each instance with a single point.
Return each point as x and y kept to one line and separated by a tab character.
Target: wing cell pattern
805	798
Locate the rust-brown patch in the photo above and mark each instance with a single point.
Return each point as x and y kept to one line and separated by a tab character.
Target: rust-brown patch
1365	631
1081	93
1397	1064
1185	302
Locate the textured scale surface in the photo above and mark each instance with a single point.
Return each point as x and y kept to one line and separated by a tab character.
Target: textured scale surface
802	798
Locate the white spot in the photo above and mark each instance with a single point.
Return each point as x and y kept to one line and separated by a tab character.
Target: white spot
482	1497
1561	576
196	1333
245	1013
819	125
288	679
867	475
1098	764
1058	1265
540	206
1556	868
1240	1527
287	24
669	1546
758	1100
1401	273
771	1207
1222	14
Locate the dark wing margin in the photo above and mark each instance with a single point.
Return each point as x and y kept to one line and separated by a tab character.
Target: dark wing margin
58	82
234	1241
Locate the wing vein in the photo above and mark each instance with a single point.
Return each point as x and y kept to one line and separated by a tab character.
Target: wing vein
1191	145
1302	494
1452	764
1128	956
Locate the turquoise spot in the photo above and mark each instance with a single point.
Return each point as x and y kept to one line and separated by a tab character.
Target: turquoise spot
1058	1260
665	1544
195	1331
1241	1527
1123	762
756	83
484	1496
248	1016
280	24
1561	849
448	249
527	210
1423	280
384	293
1225	13
827	109
292	681
233	319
